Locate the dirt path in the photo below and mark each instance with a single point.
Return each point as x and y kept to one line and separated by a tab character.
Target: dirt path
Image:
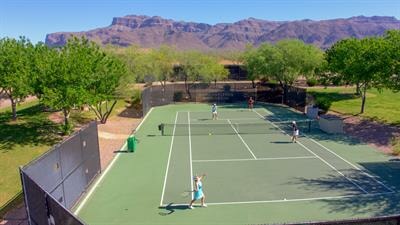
375	134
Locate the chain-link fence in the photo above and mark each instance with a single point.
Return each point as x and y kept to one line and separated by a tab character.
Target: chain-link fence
220	93
54	182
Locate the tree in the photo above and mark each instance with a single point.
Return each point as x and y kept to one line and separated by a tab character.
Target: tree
80	73
392	69
190	66
298	59
340	57
134	59
161	64
359	61
253	62
196	66
66	77
214	71
107	72
41	66
15	70
284	62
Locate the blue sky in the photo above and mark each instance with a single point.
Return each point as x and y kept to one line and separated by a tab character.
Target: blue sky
36	18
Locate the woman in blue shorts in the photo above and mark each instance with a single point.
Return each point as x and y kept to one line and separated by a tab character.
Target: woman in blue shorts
198	191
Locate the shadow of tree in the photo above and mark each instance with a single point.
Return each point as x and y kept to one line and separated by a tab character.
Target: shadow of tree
372	132
333	96
376	203
131	112
32	128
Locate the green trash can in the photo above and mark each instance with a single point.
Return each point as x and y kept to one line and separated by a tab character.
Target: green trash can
131	144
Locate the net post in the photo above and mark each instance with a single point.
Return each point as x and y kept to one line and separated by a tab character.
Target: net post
161	128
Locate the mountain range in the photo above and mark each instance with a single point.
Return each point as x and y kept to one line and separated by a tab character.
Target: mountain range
150	32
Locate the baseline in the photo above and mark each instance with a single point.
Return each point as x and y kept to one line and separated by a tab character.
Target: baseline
290	200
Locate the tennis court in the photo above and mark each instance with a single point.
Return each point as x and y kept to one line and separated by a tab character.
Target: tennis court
255	174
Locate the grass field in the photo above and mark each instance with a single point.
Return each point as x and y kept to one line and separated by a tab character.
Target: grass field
20	142
380	106
252	178
27	138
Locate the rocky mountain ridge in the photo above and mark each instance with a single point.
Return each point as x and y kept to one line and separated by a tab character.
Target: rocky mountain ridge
150	32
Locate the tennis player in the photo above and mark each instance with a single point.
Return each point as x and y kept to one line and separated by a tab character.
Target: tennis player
295	132
214	111
198	191
251	103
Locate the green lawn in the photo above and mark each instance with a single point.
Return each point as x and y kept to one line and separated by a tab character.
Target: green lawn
27	138
380	106
20	142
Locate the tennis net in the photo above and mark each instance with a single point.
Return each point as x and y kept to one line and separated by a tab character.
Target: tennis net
231	128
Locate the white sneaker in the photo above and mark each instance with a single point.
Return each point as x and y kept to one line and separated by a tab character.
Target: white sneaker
204	205
190	207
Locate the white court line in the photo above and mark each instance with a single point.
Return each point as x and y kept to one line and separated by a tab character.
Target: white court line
309	150
255	119
258	159
291	200
169	158
92	188
245	144
190	156
334	168
351	164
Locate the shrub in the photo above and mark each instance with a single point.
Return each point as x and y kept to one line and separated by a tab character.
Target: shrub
312	82
178	95
136	98
396	145
337	82
67	129
323	103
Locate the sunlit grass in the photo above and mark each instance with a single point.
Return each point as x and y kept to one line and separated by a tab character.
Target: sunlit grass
382	106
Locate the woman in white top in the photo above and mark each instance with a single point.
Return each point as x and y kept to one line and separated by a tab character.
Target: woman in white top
214	111
295	132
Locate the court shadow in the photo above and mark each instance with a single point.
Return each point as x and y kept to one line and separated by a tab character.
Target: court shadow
170	208
378	201
394	160
131	112
281	142
121	151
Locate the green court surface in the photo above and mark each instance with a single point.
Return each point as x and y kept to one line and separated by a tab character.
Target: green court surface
255	174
